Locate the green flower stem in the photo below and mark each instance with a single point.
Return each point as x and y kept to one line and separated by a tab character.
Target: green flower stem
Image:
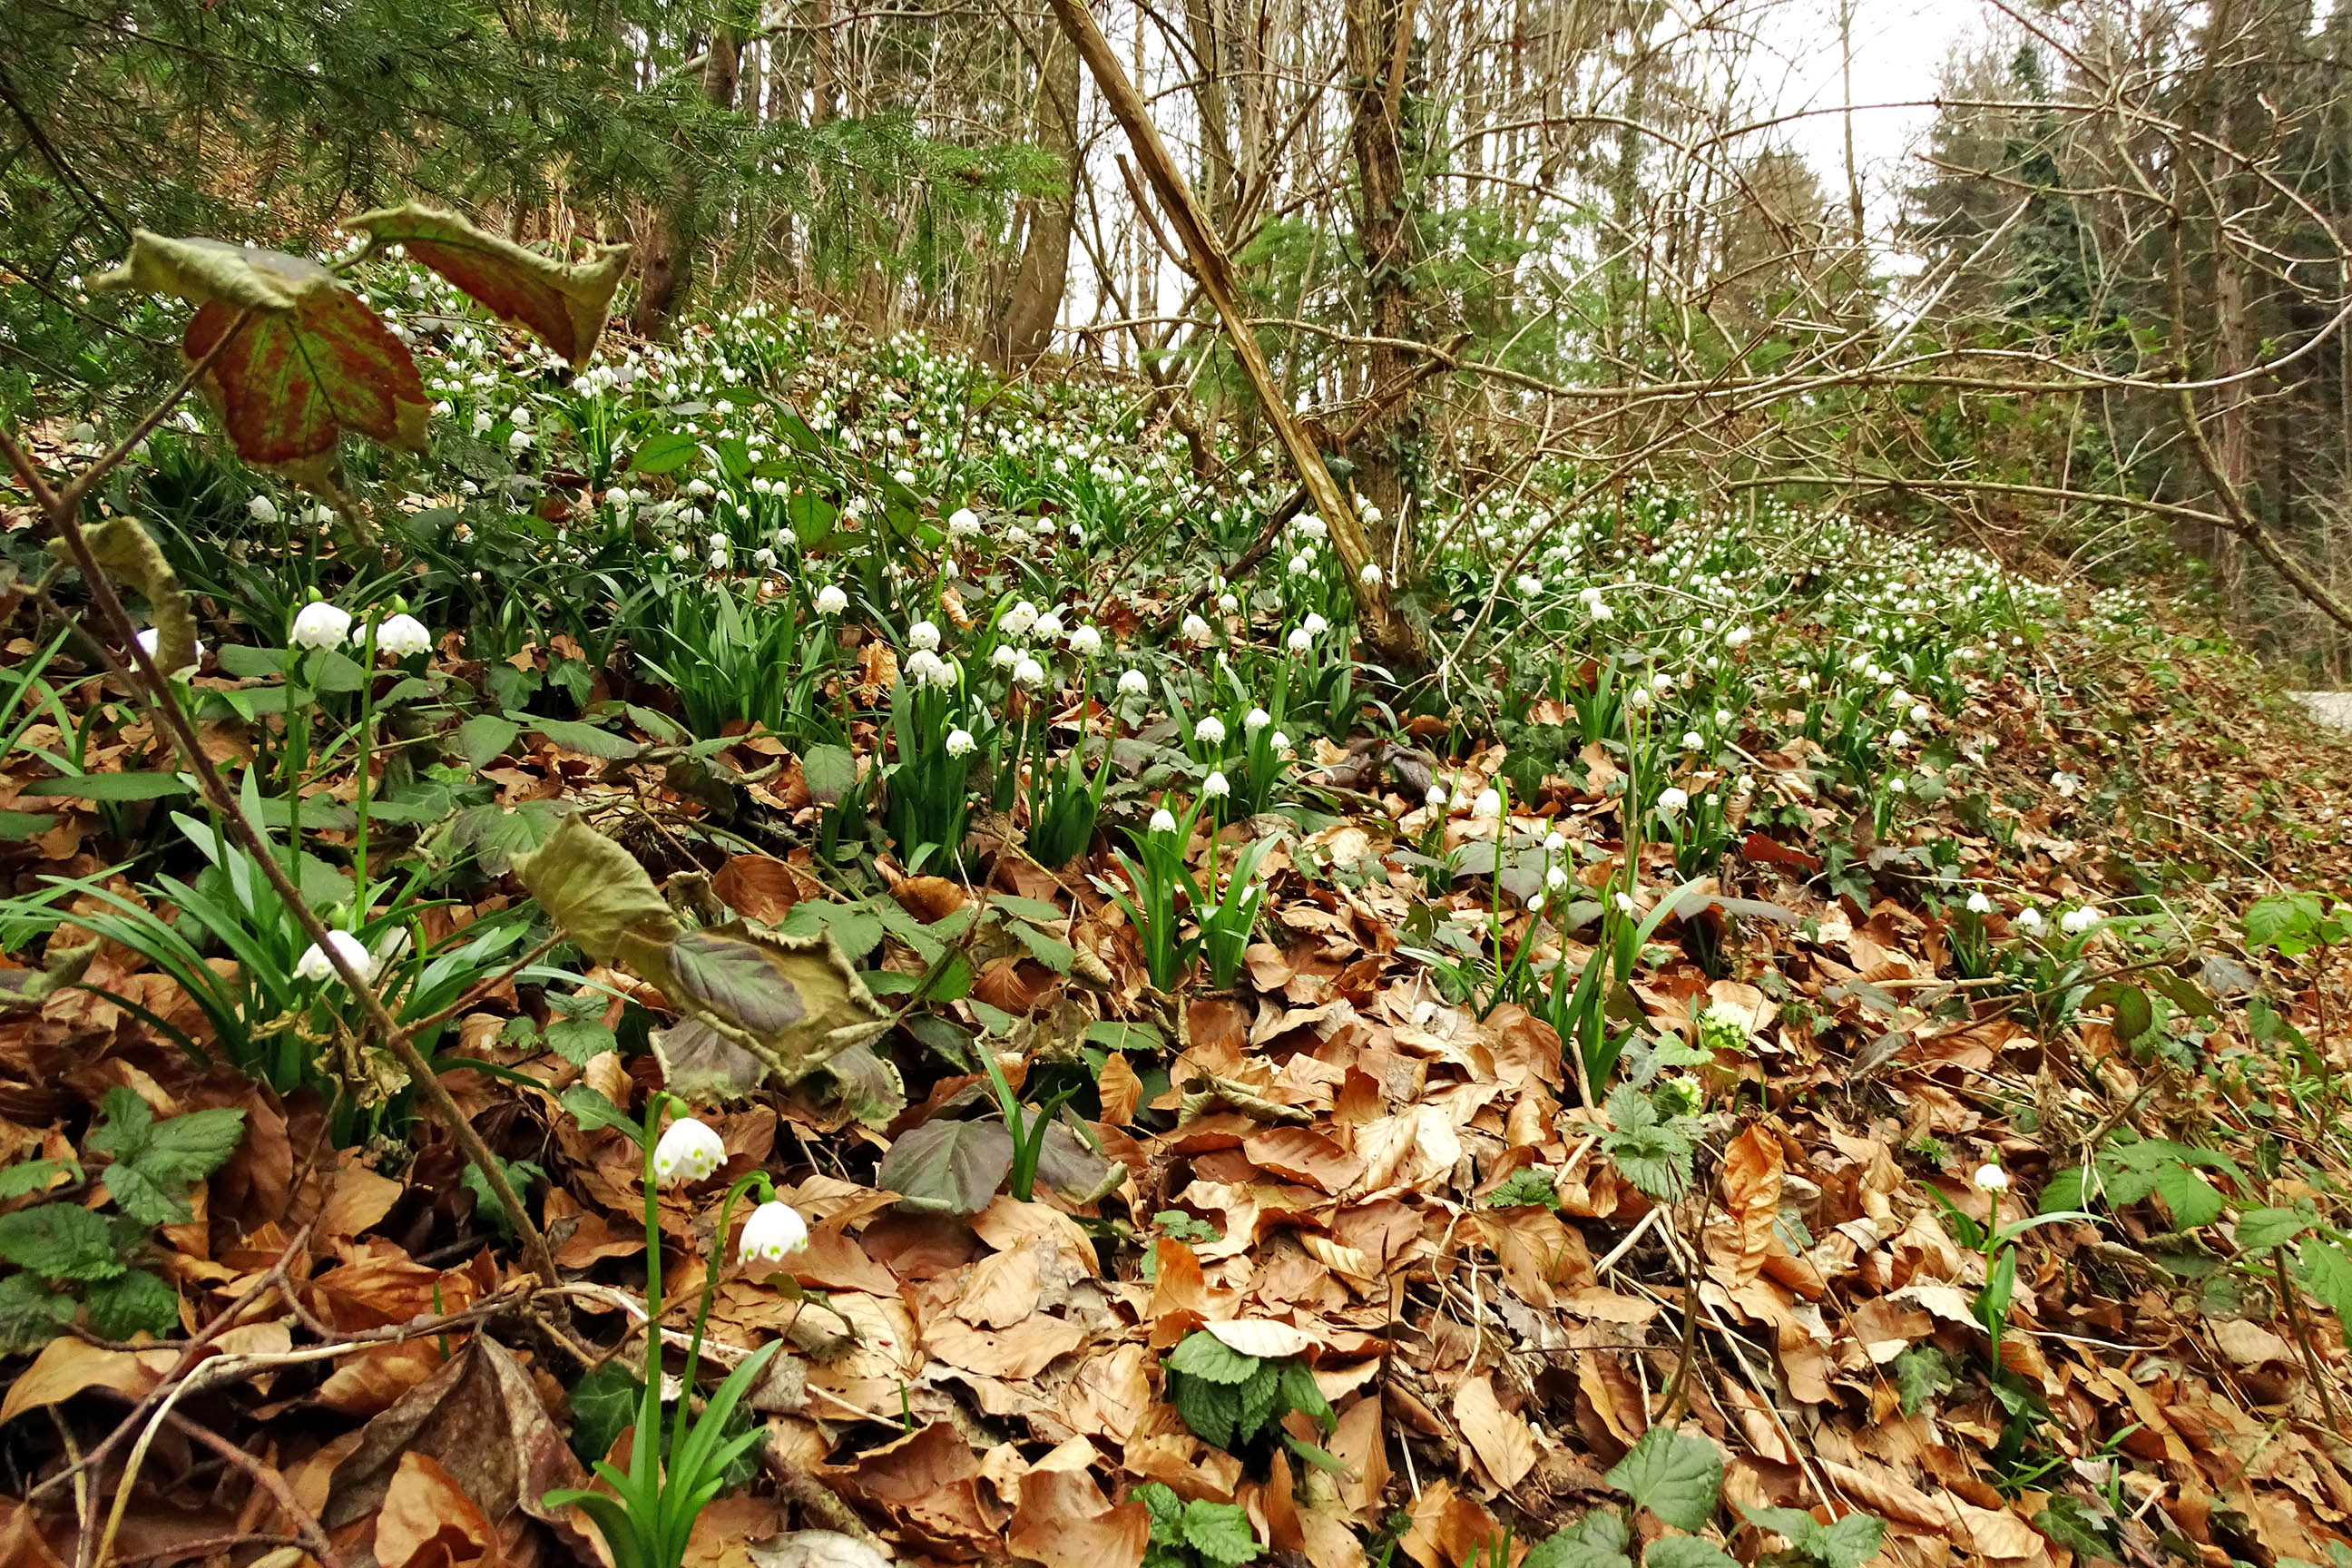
709	1291
361	885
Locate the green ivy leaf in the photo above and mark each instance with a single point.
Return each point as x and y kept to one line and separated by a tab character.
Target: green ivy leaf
59	1241
604	1402
30	1314
1220	1532
132	1302
520	1175
1674	1475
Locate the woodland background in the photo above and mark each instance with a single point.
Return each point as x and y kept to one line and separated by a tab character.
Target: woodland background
1478	235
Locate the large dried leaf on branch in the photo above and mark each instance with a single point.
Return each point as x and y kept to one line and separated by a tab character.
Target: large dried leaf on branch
565	303
309	361
791	1002
123	548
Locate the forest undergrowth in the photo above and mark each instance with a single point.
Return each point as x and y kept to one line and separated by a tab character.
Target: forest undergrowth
1797	1044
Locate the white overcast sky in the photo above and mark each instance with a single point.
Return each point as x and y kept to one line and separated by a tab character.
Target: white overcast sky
1899	47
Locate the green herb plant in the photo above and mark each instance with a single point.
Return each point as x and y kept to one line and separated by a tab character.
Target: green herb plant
1237	1401
68	1254
1194	1533
647	1518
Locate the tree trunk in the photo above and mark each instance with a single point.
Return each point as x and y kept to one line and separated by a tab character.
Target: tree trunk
1026	328
1381	60
665	277
821	57
1207	24
1388	638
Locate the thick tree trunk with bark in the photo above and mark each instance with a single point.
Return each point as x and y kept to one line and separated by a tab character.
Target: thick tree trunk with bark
666	275
1380	63
1026	329
1388	638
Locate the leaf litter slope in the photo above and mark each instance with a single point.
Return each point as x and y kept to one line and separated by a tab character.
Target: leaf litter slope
1335	1166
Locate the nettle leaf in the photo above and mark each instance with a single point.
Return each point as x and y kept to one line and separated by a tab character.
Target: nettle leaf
1167	1511
156	1161
1852	1540
134	1303
1848	1544
1257	1400
564	304
310	362
31	1313
59	1241
485	737
580	1040
2258	1230
1653	1154
1300	1393
592	1111
2193	1200
830	772
1204	1355
1220	1532
2327	1273
35	1176
947	1166
1921	1373
669	450
1674	1475
1209	1409
1529	1186
1599	1540
1684	1552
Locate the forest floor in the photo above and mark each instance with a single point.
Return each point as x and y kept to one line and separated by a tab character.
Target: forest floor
1375	1270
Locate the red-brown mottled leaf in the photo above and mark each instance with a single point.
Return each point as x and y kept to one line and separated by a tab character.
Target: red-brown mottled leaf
565	303
310	362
